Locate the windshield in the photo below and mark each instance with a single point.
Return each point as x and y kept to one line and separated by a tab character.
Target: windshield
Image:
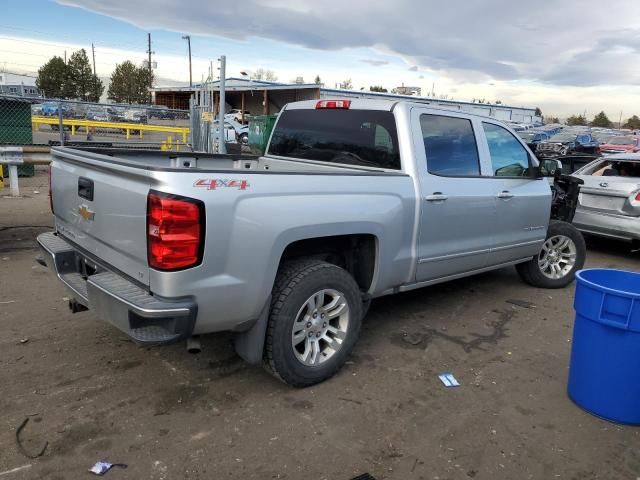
622	141
355	137
563	137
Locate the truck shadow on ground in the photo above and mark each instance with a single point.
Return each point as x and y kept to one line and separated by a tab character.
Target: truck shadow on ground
422	316
615	248
422	338
20	237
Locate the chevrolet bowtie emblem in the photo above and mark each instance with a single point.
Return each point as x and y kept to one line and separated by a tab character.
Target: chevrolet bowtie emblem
86	213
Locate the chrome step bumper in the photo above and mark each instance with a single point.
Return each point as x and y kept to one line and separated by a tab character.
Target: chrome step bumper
146	318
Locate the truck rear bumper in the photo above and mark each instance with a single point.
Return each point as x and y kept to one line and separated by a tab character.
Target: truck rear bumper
146	318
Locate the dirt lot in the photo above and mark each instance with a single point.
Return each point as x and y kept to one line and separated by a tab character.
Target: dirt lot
92	394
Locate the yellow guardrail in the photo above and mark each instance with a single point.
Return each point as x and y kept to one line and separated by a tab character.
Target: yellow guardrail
127	127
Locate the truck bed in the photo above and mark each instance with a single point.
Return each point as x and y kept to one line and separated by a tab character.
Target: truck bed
205	162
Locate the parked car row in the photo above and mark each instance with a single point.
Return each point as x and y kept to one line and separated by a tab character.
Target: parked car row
551	141
108	113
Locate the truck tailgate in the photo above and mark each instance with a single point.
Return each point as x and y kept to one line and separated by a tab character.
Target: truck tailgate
101	207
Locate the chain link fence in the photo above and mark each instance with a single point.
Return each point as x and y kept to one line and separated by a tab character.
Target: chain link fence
38	121
205	131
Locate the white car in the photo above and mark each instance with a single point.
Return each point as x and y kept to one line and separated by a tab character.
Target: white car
234	132
236	114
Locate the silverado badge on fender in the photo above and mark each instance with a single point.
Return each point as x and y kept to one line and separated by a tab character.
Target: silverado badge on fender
85	213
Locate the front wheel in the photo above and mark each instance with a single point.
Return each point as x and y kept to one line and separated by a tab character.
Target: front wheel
562	254
314	322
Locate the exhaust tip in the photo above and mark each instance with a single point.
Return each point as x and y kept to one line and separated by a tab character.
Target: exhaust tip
193	345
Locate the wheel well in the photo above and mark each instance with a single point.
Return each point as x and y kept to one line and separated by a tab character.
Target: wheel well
355	253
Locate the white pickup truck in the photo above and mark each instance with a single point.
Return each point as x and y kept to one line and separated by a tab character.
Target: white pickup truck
354	199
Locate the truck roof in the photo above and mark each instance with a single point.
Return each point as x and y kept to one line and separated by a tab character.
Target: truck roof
382	105
356	104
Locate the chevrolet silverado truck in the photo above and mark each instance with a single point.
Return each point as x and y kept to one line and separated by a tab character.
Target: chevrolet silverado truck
353	200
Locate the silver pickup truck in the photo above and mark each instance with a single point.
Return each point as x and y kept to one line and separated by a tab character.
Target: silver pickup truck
354	199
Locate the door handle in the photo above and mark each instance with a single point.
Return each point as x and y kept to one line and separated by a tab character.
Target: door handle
436	197
505	195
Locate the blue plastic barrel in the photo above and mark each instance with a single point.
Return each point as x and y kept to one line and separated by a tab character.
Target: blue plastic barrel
604	374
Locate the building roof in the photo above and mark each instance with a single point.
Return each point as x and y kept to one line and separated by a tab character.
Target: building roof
243	84
240	84
414	98
20	99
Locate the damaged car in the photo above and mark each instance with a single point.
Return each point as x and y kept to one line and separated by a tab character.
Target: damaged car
621	144
564	143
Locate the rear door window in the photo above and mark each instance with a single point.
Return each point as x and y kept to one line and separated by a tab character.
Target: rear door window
365	138
450	146
508	157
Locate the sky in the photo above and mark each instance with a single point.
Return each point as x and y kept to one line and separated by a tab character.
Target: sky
564	56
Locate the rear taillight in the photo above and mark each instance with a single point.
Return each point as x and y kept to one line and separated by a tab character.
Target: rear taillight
638	197
175	231
50	191
334	104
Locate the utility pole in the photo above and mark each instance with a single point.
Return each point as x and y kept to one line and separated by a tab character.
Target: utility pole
93	51
188	39
222	146
150	70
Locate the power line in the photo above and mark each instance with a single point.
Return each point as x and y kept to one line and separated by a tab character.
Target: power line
59	34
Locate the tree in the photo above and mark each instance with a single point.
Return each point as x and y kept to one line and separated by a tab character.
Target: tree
53	79
554	120
130	84
96	89
145	83
346	84
71	80
318	81
577	120
378	88
633	123
265	74
601	120
84	84
538	112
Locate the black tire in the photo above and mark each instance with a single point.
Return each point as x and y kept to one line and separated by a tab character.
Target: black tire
296	282
531	272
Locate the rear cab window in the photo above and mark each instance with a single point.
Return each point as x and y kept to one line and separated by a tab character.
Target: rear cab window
450	146
366	138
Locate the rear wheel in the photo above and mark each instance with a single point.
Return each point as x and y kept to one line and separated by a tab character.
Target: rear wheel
562	254
314	322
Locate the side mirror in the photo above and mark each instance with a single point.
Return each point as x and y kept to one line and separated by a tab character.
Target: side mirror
547	168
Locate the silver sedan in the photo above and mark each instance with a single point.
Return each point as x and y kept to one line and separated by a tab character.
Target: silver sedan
609	201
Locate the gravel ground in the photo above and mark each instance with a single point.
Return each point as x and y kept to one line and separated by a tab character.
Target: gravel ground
91	394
